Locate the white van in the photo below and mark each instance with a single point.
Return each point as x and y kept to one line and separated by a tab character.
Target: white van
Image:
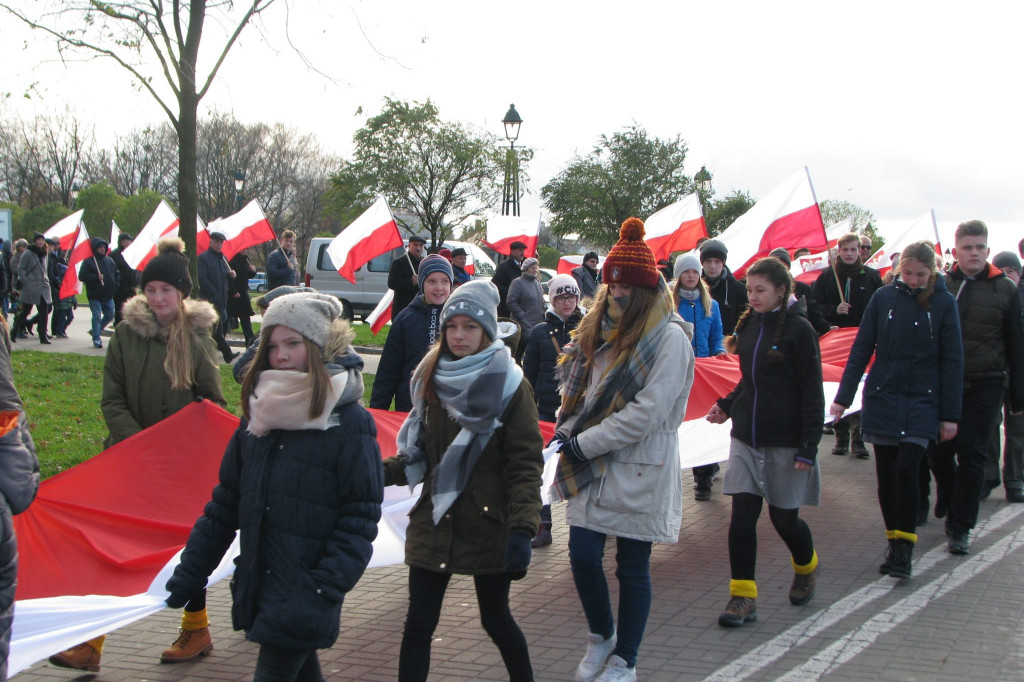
359	299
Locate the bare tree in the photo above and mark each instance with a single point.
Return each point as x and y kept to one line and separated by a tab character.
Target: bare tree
145	159
42	160
156	42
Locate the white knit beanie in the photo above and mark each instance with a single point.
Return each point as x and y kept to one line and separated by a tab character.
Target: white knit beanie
560	285
310	314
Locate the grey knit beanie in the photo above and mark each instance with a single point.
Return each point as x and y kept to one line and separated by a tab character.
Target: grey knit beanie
310	314
477	299
529	263
687	261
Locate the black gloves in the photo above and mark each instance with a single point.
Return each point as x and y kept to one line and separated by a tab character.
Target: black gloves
517	555
177	601
571	447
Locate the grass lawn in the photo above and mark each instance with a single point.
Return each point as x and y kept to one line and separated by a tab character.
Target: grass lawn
61	393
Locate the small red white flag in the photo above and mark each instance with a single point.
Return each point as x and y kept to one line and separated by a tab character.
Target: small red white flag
806	269
922	228
115	232
788	216
566	264
246	228
502	230
71	285
834	232
163	223
677	227
65	230
371	234
382	313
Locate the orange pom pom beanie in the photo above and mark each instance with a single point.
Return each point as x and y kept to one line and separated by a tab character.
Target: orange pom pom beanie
631	260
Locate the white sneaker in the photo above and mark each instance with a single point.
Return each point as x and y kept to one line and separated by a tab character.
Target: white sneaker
616	670
598	651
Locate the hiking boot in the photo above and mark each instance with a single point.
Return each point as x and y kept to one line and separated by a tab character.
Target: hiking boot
738	611
959	542
190	645
841	449
702	489
857	448
616	670
543	538
80	657
903	553
598	651
828	430
802	589
886	564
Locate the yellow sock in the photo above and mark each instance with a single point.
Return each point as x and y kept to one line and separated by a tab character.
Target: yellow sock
743	588
97	643
902	535
890	534
808	568
194	620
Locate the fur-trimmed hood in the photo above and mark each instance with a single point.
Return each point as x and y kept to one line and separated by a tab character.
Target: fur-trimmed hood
340	356
141	320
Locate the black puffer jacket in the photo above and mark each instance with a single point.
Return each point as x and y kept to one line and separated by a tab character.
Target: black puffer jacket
91	270
407	343
731	295
541	359
989	308
857	291
307	505
778	403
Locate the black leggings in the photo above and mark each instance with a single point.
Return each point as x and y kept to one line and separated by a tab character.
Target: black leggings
746	509
426	592
899	487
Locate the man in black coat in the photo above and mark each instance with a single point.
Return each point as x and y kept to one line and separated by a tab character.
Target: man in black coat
214	277
730	293
128	277
99	275
508	270
403	277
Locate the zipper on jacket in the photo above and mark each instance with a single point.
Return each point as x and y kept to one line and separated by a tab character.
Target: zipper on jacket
753	380
931	332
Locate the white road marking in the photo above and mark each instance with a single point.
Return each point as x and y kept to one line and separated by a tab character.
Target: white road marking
766	654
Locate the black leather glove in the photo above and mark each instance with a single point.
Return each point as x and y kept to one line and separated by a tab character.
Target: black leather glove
517	554
557	438
177	601
571	447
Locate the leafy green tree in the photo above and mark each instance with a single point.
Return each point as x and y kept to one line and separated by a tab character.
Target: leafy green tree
722	214
101	203
549	256
41	219
136	211
627	174
440	173
861	219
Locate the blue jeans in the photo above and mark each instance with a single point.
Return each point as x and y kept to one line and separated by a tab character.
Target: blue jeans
102	314
276	664
633	571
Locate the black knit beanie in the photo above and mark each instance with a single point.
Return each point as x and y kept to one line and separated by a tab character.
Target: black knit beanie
169	265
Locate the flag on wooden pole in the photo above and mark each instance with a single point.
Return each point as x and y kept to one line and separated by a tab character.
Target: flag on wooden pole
371	234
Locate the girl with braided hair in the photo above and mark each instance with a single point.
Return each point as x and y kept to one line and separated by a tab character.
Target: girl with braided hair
777	410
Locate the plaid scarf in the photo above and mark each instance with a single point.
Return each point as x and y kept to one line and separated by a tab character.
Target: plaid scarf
623	379
466	388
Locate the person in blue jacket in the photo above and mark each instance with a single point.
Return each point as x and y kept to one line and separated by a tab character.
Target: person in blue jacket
302	481
695	305
913	391
413	332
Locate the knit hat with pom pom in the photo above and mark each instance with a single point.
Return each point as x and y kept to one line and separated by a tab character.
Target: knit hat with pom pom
169	265
631	260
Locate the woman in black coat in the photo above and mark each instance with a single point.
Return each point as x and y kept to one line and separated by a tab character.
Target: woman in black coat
239	305
913	392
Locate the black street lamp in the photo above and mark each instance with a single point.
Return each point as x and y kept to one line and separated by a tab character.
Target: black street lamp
239	185
510	200
74	194
703	182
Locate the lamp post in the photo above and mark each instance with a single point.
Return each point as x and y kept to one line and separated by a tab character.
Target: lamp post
74	194
510	200
703	182
239	185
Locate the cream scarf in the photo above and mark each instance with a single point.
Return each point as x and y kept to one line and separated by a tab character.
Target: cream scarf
281	401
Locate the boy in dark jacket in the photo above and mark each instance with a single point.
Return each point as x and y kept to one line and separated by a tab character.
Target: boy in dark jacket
99	274
726	289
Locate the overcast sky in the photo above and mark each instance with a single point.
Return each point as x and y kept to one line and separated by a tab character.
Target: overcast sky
899	107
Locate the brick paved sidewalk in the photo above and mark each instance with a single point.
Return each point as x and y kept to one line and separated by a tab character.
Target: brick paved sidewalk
944	624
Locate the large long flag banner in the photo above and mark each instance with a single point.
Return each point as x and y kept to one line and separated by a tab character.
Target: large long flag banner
99	542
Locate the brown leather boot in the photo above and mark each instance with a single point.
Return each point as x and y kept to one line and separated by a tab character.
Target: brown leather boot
79	657
190	645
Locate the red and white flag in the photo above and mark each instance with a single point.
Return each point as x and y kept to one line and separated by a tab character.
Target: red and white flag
834	232
65	230
381	315
924	227
502	230
807	268
566	264
115	232
71	285
246	228
371	234
788	216
677	227
163	223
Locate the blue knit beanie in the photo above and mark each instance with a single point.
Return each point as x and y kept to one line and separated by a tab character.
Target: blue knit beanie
435	263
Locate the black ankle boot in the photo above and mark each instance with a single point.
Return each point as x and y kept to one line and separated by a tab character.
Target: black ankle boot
886	564
903	554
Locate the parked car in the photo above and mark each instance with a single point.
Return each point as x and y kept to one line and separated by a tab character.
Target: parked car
359	299
258	282
545	276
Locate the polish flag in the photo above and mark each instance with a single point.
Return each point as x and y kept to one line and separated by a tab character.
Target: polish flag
115	232
788	217
382	313
834	232
246	228
371	234
677	227
71	285
502	230
65	231
807	268
566	264
924	227
163	223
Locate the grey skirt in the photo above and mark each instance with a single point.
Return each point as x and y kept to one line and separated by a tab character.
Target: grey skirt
771	473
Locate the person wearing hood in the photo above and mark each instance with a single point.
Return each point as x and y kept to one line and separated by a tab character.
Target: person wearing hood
526	301
416	329
301	482
101	279
588	276
35	289
728	292
776	411
912	395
